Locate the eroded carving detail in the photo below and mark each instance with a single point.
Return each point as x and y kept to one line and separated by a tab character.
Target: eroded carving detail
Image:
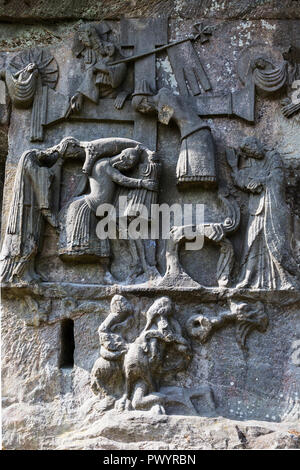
196	162
107	372
105	160
31	206
101	79
138	201
215	232
28	78
145	352
246	316
267	259
158	349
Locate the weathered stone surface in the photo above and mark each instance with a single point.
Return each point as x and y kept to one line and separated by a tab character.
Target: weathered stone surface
47	401
140	431
144	344
93	10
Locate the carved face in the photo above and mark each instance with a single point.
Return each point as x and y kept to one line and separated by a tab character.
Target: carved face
85	37
31	67
259	63
48	158
127	159
162	323
165	113
27	72
252	148
107	49
120	305
72	149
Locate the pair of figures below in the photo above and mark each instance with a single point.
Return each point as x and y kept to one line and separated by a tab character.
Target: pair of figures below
133	370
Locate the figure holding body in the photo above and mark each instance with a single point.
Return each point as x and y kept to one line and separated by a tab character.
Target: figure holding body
31	206
101	79
267	260
196	162
103	174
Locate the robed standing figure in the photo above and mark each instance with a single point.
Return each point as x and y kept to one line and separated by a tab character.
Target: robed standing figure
267	258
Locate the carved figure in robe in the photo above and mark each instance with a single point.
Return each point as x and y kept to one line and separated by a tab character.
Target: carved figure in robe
196	162
100	79
143	251
31	206
31	77
267	259
22	85
104	163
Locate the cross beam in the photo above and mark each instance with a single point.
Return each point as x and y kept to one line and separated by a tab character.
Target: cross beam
144	35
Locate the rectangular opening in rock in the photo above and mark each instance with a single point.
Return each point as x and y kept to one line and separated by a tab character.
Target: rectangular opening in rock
67	344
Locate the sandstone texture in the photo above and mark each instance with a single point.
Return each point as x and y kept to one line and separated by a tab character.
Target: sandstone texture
214	350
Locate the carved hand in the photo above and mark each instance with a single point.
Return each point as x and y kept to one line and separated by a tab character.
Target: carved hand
76	102
254	186
150	184
120	99
100	66
214	232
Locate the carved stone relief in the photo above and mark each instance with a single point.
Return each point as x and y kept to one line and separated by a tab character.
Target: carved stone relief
101	79
132	122
139	365
268	261
31	206
29	77
134	369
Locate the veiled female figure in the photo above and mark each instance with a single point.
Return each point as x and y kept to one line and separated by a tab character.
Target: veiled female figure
267	259
31	205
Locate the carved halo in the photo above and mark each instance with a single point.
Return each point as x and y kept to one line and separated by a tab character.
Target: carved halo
274	65
43	59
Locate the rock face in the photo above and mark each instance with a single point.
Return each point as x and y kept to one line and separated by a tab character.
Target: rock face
123	328
91	10
144	431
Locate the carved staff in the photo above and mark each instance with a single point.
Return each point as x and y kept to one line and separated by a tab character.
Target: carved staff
197	70
133	58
